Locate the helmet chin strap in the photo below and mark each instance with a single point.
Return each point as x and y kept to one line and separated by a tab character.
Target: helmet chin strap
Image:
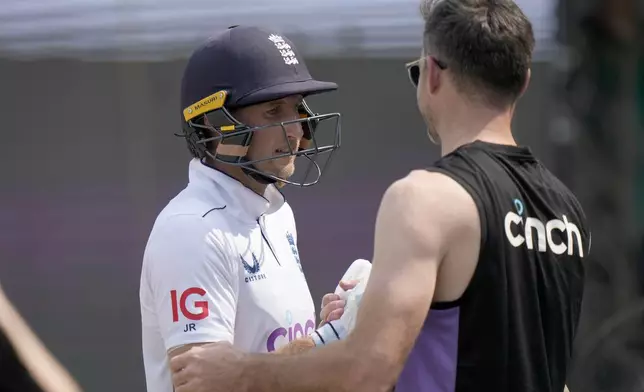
262	179
241	151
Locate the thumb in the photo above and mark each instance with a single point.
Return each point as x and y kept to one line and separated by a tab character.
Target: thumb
348	284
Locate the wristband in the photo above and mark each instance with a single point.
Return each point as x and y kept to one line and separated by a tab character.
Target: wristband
329	332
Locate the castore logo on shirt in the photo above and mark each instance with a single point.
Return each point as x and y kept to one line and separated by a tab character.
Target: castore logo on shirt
252	271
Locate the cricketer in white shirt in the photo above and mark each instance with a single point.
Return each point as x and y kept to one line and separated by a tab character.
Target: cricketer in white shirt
221	264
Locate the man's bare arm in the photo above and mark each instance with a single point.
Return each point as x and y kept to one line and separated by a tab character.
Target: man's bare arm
293	347
418	217
296	346
174	351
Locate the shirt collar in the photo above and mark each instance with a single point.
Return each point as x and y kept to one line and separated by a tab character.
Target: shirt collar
238	197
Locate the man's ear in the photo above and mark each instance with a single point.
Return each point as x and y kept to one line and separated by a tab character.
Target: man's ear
433	75
527	82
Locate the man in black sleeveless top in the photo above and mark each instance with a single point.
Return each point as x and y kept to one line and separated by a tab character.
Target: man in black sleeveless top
477	274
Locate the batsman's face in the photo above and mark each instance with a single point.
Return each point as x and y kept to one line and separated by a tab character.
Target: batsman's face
271	142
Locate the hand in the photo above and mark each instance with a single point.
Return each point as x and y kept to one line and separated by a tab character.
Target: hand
214	367
333	305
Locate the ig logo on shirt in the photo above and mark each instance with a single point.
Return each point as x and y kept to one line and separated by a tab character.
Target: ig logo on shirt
181	303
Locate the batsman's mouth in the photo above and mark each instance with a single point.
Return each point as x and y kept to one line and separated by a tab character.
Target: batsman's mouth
281	151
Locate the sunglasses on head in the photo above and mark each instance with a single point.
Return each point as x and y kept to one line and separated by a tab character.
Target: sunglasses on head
413	69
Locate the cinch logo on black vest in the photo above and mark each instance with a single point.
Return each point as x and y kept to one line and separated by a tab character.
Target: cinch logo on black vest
549	235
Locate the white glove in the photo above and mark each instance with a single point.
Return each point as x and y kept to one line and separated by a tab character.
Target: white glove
339	329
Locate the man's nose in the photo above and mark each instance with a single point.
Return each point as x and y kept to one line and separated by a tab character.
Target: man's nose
294	130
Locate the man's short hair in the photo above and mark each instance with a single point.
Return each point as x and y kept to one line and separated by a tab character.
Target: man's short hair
486	44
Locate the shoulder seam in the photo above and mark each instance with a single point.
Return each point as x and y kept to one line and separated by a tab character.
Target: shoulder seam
213	209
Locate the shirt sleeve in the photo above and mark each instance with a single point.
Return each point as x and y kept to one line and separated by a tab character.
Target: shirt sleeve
193	281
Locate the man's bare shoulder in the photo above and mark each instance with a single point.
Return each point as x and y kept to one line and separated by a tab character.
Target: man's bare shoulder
440	183
426	189
424	197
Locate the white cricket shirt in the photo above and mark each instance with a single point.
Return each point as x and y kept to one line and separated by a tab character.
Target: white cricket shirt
221	264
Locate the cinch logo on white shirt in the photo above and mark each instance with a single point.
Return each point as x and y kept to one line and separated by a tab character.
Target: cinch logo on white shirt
284	335
545	233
